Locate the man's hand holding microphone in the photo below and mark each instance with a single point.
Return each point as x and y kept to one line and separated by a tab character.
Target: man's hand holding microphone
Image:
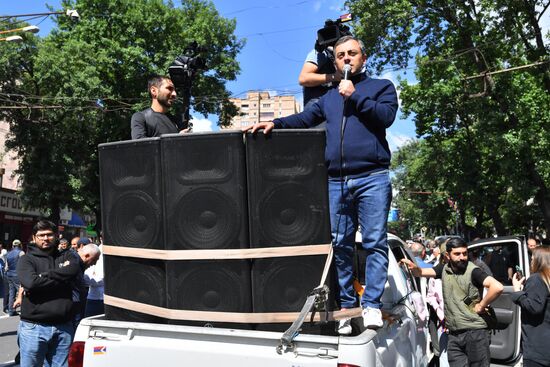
346	88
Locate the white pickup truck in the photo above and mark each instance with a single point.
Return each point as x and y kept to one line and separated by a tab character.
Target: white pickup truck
402	341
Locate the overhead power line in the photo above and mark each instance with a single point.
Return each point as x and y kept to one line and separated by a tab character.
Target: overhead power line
482	75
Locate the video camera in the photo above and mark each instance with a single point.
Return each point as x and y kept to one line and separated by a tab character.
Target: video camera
184	66
332	31
182	71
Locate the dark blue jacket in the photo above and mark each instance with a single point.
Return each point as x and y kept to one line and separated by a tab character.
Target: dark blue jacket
369	111
12	258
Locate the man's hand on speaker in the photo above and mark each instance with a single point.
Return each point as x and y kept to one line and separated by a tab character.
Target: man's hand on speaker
266	126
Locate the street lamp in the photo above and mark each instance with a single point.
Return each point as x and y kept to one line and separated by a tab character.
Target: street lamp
29	29
12	39
71	13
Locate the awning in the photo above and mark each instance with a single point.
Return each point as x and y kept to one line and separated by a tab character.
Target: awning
76	221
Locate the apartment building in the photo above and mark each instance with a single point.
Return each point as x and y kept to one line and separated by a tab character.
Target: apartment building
261	106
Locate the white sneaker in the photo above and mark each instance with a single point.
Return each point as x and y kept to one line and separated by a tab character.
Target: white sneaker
372	318
344	327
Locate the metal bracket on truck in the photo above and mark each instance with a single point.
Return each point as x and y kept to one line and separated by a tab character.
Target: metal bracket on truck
314	302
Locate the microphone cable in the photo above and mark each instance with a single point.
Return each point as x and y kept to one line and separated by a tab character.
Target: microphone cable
346	70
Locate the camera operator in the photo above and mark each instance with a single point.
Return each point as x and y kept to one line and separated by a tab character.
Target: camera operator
318	74
155	121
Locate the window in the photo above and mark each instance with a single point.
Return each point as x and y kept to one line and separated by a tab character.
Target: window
266	105
267	114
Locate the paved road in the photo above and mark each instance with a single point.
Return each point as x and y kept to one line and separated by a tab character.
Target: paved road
8	339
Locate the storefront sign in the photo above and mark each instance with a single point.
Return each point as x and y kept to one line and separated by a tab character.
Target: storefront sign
10	203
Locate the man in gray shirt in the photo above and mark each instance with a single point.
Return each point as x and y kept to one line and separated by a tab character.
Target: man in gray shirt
155	121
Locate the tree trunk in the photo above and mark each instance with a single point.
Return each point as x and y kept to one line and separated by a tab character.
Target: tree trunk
55	216
492	209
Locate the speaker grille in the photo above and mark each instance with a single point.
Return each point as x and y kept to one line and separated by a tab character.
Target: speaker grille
131	193
206	218
283	284
205	191
209	285
133	220
287	188
138	280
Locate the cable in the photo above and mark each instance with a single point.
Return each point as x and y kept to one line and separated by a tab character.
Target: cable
268	7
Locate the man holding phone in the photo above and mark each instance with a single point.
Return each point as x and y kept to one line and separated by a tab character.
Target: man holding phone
465	307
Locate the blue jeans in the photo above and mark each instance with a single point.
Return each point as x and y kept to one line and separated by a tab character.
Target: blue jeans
46	345
13	284
363	201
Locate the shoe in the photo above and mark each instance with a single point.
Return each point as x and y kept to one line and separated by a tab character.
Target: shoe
372	318
344	327
14	313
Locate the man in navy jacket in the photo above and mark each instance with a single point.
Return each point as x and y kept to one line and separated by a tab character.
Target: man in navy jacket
357	156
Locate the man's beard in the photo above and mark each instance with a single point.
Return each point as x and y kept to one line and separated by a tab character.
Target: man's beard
165	101
459	266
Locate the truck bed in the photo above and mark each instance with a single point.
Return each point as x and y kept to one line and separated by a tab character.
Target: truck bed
110	343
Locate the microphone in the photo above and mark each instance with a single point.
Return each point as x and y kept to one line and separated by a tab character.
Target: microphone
346	70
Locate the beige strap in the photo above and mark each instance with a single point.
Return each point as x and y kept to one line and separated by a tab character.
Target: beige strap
328	262
209	316
237	317
220	254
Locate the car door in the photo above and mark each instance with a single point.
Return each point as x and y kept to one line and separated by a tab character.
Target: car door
504	256
403	342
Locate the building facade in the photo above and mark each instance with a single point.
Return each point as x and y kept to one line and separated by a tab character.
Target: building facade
15	221
260	106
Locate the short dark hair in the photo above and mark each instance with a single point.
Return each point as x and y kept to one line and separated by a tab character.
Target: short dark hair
155	81
350	38
456	242
43	225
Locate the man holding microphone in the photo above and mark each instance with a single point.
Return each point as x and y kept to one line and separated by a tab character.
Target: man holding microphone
357	156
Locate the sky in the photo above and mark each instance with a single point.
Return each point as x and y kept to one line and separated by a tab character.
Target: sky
279	34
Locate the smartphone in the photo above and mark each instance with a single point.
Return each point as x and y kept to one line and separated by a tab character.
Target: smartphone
519	271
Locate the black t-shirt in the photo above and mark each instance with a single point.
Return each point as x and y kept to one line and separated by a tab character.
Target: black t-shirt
478	275
154	126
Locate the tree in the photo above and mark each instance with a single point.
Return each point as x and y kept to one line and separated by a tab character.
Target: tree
79	86
498	123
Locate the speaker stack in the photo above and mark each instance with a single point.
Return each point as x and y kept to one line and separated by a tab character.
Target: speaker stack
210	191
132	202
205	202
288	206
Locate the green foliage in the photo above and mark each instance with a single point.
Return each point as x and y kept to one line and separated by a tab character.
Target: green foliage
484	140
84	80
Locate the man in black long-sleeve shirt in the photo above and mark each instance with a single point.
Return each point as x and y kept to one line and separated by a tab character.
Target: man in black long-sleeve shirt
45	331
155	121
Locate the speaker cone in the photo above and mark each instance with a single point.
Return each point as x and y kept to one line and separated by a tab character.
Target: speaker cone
207	219
133	221
289	215
210	286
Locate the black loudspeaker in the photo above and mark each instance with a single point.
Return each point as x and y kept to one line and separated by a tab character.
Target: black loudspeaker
205	192
288	206
139	280
287	188
131	193
283	284
209	285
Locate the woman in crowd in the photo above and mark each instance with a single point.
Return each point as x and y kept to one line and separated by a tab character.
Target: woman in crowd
534	300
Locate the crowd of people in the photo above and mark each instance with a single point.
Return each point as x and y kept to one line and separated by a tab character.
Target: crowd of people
55	283
460	292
